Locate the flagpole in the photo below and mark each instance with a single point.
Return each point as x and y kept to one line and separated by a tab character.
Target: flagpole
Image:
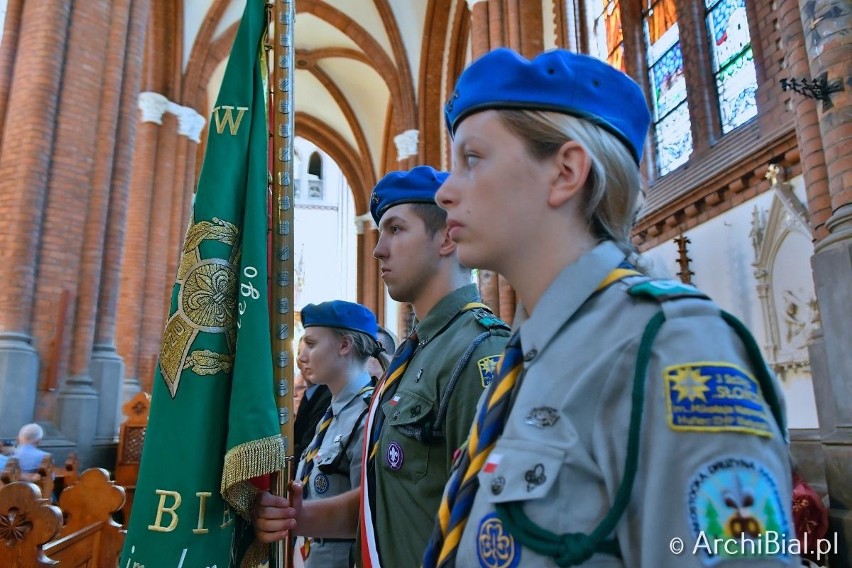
283	14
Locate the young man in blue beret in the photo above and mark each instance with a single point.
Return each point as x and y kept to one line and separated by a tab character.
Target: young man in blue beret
422	410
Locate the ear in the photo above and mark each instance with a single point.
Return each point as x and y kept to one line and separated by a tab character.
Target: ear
573	165
346	345
447	246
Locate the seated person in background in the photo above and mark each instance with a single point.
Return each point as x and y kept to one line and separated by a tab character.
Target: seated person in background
27	452
312	406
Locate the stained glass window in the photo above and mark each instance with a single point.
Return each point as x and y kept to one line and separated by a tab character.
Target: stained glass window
733	61
672	132
608	37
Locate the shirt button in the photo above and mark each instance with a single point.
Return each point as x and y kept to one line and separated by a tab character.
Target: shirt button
530	355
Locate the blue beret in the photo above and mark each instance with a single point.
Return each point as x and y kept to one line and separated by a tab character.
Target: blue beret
556	80
418	185
341	315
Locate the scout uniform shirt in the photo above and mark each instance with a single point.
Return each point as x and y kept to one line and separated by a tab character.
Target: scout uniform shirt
712	461
337	466
410	472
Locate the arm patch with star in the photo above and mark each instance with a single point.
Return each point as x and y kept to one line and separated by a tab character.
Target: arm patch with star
487	366
715	397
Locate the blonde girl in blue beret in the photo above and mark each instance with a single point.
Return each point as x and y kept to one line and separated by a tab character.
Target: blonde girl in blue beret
339	339
631	422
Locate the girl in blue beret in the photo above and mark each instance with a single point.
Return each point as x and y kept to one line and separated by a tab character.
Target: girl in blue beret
630	422
339	339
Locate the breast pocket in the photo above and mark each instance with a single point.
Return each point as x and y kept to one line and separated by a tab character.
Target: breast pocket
517	470
408	425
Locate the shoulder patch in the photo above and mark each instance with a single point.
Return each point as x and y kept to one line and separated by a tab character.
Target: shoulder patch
487	367
736	511
715	397
488	320
663	290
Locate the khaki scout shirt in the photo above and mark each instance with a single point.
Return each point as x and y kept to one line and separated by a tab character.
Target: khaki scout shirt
410	474
702	466
337	466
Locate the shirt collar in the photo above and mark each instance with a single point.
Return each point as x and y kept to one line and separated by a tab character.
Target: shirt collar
444	311
566	294
349	392
309	392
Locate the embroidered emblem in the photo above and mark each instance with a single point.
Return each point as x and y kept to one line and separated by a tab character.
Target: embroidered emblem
492	463
494	545
715	397
416	411
735	510
395	400
320	483
535	476
394	456
206	305
542	416
487	367
452	99
497	484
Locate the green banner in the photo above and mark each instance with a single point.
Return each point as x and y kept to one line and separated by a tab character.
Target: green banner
213	422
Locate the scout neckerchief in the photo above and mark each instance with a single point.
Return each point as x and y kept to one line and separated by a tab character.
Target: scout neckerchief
486	429
372	437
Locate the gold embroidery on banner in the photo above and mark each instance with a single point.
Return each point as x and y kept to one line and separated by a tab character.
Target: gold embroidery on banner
206	302
207	362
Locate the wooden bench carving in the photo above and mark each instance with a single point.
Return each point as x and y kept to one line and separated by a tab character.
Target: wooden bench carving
131	438
90	537
32	533
11	472
27	521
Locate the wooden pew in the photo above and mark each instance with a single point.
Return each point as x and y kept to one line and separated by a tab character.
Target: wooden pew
27	521
11	472
131	437
90	537
32	533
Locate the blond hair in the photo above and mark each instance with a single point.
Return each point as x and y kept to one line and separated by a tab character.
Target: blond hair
614	187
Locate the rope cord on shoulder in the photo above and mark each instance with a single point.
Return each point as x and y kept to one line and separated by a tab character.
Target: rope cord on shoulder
572	549
764	379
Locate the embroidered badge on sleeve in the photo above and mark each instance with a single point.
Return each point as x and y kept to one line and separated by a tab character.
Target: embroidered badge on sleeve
735	511
487	366
715	397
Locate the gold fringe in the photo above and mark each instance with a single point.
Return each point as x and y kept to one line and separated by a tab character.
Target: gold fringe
257	556
245	462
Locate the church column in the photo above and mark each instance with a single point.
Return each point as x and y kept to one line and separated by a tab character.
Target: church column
826	24
407	151
135	262
106	366
479	39
190	125
25	156
87	404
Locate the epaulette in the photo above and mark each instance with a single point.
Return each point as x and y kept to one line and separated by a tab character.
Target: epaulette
488	320
664	290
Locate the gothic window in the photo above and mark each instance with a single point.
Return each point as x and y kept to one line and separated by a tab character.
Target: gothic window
733	61
608	42
315	185
672	132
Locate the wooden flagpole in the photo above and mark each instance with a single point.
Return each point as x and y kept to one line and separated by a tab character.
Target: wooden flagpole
283	15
